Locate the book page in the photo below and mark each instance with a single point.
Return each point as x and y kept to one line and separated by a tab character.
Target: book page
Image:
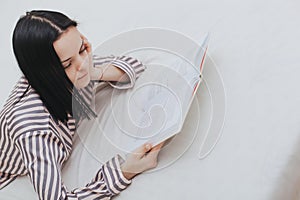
155	108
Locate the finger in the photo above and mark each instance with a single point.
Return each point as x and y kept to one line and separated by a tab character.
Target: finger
155	150
158	146
88	46
84	38
142	149
86	43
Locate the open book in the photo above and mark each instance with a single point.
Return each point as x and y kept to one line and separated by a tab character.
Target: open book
156	108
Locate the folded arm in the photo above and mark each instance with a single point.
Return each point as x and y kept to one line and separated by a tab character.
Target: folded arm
120	72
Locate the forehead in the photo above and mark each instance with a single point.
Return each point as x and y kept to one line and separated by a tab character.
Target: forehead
67	44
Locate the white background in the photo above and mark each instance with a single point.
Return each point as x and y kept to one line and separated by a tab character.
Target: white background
255	45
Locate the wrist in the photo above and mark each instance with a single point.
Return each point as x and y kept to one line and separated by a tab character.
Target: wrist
101	74
96	73
128	175
119	74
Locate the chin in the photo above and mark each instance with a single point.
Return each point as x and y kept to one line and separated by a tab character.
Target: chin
83	82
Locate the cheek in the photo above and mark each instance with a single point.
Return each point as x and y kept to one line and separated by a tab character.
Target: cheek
71	75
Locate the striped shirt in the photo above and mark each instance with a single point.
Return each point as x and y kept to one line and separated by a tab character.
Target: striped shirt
33	144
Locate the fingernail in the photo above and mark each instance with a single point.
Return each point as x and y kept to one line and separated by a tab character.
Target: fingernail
148	146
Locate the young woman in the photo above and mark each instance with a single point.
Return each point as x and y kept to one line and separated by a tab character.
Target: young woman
38	120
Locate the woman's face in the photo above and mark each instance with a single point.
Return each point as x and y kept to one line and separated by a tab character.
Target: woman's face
73	50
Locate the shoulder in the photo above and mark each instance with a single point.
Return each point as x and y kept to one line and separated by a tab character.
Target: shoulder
24	110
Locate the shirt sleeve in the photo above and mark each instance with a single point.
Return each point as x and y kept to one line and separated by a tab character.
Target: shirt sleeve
43	154
131	66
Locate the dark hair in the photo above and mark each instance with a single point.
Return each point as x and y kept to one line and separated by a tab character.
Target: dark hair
32	40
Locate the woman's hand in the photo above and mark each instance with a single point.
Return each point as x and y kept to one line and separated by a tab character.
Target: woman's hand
142	159
86	44
105	73
95	73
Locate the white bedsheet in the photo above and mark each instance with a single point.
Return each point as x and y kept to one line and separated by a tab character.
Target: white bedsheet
255	48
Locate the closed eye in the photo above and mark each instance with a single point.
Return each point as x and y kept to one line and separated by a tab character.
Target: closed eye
80	52
65	67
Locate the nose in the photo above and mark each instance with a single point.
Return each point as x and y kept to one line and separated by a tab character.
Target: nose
82	61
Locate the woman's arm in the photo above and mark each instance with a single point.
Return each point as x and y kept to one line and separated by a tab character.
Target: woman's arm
43	155
121	72
108	72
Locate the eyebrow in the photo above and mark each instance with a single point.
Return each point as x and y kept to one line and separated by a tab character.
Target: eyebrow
71	57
